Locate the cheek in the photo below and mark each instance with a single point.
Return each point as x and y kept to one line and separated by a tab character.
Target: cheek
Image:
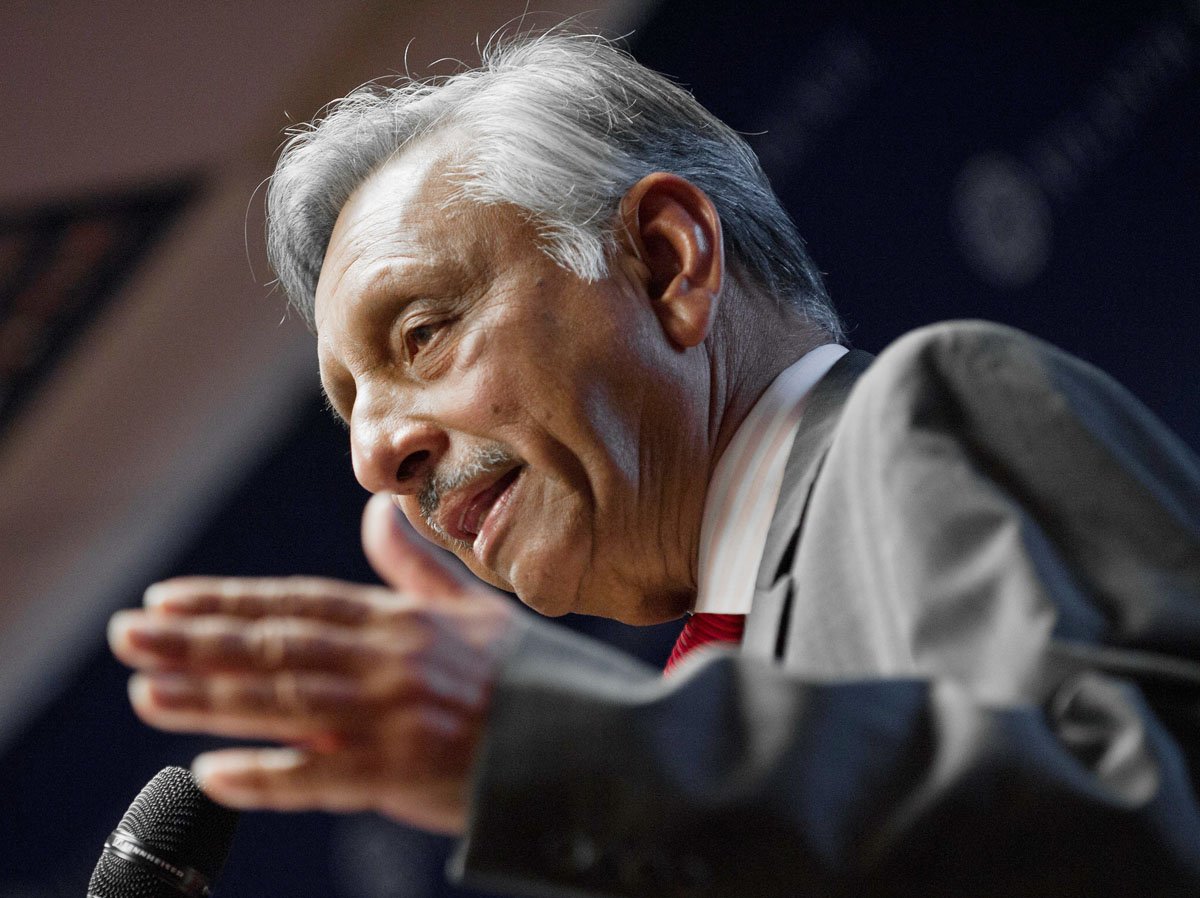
563	380
501	409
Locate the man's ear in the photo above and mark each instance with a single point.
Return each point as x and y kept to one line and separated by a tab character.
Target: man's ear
671	225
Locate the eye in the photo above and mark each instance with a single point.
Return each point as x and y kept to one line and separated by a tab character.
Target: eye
420	336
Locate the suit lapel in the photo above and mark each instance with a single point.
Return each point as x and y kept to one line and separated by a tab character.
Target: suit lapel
772	592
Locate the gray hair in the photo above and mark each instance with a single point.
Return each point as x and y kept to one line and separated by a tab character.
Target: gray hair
560	125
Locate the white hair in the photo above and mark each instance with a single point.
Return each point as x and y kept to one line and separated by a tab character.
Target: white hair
559	125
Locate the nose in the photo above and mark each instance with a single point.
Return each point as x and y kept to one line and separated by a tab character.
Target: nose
394	457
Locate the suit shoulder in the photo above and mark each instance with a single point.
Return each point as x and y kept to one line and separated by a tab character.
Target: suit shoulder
1014	402
999	391
960	364
942	350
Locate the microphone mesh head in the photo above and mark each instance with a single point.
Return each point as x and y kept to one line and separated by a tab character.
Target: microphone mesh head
178	823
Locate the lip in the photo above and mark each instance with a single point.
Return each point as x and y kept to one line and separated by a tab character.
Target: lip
496	518
465	515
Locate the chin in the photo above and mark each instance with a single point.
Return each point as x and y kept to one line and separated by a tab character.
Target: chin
546	607
611	600
551	596
552	578
561	577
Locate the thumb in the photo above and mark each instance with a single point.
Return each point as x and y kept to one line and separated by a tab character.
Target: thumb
404	559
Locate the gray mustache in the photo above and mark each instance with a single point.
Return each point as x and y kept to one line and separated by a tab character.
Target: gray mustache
481	460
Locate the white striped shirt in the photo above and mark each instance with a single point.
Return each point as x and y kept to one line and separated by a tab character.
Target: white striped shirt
745	486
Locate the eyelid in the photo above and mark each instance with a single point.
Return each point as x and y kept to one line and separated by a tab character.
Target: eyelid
435	325
403	320
419	323
440	311
422	313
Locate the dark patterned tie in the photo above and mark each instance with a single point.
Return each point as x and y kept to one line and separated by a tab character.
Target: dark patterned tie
702	629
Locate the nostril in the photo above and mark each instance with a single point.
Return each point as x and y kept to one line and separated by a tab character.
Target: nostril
411	465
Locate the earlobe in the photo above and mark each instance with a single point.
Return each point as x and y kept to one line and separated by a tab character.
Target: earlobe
674	231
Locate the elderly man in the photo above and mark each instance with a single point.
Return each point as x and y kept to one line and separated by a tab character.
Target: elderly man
579	344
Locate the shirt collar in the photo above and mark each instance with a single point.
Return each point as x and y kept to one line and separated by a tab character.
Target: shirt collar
745	486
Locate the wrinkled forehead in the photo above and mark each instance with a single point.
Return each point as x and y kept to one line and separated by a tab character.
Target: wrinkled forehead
389	211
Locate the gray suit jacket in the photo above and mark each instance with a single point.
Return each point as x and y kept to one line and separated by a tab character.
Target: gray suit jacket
971	668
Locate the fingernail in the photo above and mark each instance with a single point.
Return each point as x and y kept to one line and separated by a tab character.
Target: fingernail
154	596
279	758
229	765
118	626
143	635
171	690
149	693
164	597
214	765
139	691
131	632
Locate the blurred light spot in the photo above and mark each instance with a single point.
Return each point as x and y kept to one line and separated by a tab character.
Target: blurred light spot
1002	221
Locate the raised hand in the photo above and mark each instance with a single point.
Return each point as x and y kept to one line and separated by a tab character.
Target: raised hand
379	695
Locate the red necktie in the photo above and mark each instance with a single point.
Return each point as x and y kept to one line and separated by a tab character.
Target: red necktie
702	629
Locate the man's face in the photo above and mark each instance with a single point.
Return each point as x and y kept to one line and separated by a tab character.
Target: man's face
542	428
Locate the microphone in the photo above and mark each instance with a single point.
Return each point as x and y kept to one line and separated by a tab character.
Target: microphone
171	842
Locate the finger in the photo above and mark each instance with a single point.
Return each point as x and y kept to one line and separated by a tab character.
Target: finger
242	711
213	643
286	702
286	779
405	560
420	777
330	697
254	597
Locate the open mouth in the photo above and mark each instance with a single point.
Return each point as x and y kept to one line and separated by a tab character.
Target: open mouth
476	513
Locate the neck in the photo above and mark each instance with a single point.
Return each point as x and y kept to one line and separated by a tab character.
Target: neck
753	342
